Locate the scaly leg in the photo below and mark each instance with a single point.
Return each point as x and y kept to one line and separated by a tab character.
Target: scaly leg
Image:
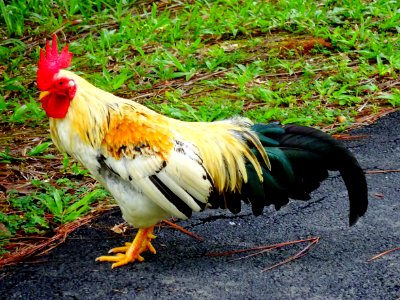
131	251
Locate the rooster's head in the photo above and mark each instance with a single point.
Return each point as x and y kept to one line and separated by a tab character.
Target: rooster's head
57	91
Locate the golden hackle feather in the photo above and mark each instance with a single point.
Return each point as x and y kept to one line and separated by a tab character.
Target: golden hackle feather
104	120
224	148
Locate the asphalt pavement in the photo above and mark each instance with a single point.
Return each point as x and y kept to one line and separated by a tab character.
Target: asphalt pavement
336	268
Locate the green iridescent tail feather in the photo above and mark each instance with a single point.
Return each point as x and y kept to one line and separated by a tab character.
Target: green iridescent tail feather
300	160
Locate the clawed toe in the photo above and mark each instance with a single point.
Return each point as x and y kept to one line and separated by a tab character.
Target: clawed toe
131	251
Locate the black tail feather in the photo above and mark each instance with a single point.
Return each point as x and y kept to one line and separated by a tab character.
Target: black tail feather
336	158
300	160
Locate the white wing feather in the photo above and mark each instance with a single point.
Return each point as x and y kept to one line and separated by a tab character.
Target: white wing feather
183	174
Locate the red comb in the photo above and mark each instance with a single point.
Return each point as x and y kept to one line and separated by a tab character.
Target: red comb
50	63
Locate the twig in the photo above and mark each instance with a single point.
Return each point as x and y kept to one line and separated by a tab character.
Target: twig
185	231
45	246
50	242
362	106
381	171
379	255
313	241
348	137
199	78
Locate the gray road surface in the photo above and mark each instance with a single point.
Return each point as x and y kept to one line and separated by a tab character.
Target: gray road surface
336	268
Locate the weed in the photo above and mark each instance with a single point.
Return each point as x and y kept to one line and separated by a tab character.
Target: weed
39	149
73	167
392	98
63	206
6	158
47	208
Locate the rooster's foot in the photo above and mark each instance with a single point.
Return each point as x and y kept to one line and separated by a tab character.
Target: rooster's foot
131	251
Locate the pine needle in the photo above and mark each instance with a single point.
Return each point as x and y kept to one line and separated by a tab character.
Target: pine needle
312	242
185	231
379	255
381	171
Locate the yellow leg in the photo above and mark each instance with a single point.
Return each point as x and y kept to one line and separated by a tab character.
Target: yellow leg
131	251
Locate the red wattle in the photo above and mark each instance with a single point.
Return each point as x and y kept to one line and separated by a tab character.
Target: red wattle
55	106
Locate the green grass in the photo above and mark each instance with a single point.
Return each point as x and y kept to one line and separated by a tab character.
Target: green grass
304	62
132	48
45	209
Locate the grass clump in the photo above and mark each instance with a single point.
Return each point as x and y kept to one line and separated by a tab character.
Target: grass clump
49	206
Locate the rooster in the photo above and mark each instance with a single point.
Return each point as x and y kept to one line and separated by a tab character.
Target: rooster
157	167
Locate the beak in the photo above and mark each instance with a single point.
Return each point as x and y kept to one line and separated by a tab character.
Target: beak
43	94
